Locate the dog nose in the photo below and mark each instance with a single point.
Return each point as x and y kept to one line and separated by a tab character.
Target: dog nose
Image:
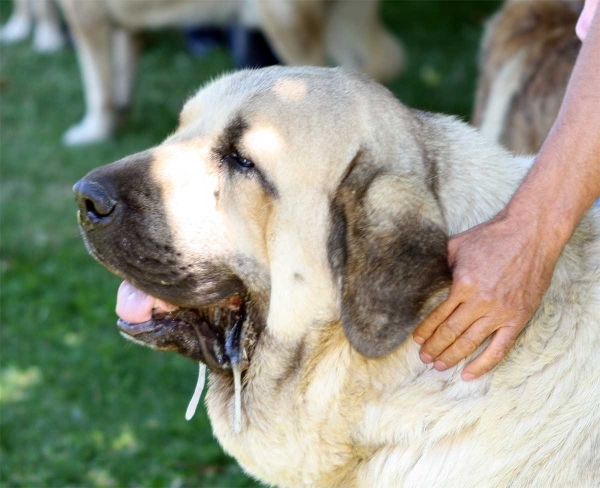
96	202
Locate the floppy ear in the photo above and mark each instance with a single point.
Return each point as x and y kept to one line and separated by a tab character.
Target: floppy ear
388	251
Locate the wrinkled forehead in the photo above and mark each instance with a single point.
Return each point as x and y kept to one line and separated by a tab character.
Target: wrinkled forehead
282	117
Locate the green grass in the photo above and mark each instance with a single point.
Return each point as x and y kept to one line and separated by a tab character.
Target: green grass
79	406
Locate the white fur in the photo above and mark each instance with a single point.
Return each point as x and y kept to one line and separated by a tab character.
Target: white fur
42	15
17	27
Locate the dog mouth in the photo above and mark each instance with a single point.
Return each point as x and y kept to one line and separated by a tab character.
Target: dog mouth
220	335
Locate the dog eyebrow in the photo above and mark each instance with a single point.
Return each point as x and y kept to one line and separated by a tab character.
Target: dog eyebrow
229	141
231	136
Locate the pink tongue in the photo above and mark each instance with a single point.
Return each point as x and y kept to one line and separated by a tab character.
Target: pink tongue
135	306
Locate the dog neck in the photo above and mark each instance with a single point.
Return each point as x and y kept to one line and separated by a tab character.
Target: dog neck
463	158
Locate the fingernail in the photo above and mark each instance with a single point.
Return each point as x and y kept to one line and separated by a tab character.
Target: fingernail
418	340
440	366
426	358
468	376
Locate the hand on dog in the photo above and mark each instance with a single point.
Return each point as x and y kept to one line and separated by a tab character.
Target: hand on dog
503	267
501	270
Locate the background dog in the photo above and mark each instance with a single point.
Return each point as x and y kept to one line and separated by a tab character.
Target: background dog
299	217
40	15
527	55
351	33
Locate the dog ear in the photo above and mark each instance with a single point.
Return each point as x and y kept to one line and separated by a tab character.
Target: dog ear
388	252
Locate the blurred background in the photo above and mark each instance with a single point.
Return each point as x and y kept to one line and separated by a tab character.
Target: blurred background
79	405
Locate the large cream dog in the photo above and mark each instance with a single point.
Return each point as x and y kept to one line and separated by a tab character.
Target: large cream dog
299	216
526	58
302	32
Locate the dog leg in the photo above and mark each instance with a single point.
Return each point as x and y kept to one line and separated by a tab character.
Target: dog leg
18	25
125	58
294	30
356	37
502	91
47	36
92	36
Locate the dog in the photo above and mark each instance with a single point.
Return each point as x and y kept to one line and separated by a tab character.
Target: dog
351	33
43	16
527	55
298	217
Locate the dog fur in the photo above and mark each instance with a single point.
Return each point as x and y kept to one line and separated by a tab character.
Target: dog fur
526	58
339	235
301	32
43	17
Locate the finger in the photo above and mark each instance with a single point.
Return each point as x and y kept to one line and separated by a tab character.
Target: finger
466	344
500	344
450	330
426	328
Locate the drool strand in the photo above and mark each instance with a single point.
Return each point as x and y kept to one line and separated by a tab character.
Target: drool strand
237	383
193	405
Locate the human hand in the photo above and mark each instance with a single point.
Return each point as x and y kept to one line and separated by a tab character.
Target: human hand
501	270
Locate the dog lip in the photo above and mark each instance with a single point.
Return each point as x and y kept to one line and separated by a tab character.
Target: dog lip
137	329
219	336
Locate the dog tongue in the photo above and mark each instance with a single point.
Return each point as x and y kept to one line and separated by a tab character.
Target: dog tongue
135	306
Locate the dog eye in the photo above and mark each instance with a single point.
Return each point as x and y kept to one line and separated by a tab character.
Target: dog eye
235	159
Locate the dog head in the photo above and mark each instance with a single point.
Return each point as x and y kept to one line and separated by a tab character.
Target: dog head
287	197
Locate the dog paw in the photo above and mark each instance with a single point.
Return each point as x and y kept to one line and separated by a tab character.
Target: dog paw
47	38
88	131
15	30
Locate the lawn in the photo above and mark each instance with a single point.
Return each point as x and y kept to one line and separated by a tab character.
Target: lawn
79	405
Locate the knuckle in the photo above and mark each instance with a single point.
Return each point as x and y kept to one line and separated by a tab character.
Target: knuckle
481	370
498	353
517	324
469	344
486	298
420	336
465	283
454	355
450	360
425	330
447	332
419	333
455	326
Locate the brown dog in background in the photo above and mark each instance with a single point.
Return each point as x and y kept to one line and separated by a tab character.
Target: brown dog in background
526	58
348	33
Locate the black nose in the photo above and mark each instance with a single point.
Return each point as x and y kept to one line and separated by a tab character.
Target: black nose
96	202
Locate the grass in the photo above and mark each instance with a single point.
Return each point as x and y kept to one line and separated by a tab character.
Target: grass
79	406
